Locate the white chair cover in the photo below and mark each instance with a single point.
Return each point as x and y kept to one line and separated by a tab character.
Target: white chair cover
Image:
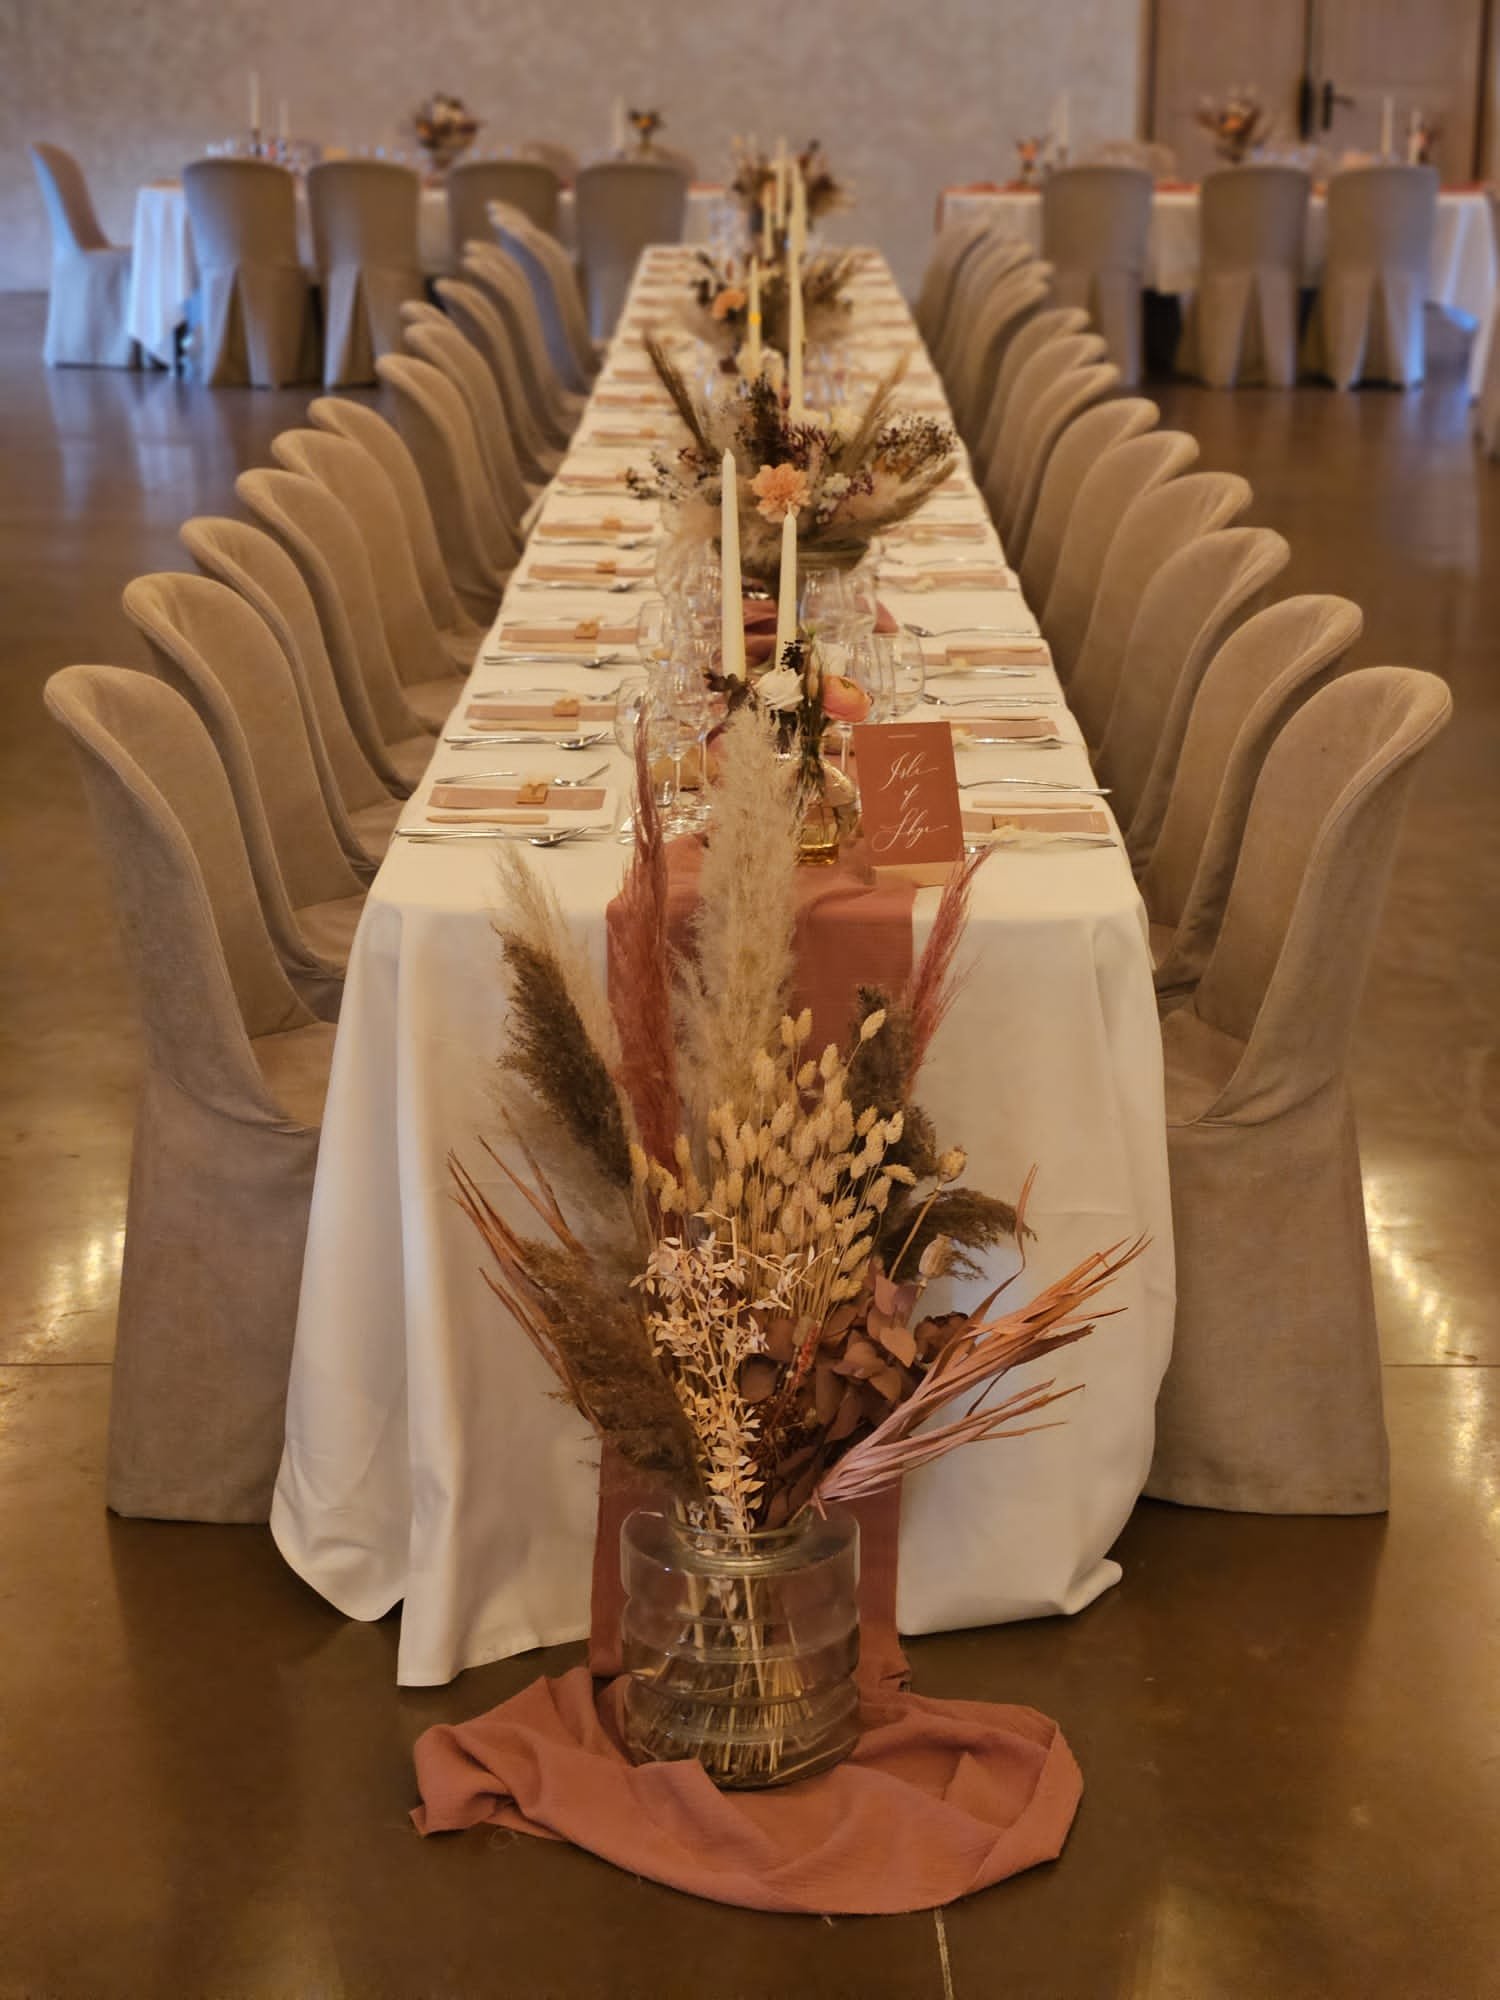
256	322
431	337
1095	222
528	185
1047	363
364	221
471	307
1241	324
1038	329
556	409
1367	324
1074	456
226	1131
620	207
554	289
1271	1403
954	242
90	275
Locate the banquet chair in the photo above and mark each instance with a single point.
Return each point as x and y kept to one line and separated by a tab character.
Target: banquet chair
619	207
998	323
1000	475
255	321
432	337
529	185
364	221
561	159
375	434
1072	458
1484	355
1271	1402
1187	610
226	1128
431	679
90	275
1058	406
318	535
1241	323
258	569
1153	527
1094	227
1367	322
1042	328
953	243
208	643
553	278
472	310
480	545
995	260
555	409
1256	681
1122	474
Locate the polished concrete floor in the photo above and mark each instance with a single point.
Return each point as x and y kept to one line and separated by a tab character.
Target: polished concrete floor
1289	1729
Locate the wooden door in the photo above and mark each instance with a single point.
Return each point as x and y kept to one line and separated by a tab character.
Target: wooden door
1425	55
1205	48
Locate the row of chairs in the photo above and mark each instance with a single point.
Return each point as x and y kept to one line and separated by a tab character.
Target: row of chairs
1243	323
245	792
1259	789
261	318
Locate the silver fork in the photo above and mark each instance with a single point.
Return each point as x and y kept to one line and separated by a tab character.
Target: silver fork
534	739
947	631
1035	785
615	659
985	700
558	837
618	588
481	777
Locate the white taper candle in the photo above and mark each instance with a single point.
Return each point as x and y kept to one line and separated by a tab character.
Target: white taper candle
786	594
732	607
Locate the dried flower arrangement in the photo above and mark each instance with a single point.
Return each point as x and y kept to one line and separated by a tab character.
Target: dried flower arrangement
444	127
1238	122
755	171
723	301
736	1237
848	476
645	125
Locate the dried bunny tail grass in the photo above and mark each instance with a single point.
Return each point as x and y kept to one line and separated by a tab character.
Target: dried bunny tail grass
732	996
549	1049
531	911
878	408
640	984
933	987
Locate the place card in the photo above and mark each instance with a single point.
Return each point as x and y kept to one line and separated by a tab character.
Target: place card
909	804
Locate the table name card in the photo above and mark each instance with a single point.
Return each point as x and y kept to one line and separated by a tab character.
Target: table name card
913	824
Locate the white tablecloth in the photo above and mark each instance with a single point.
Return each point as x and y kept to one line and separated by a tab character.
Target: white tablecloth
1464	274
164	271
427	1459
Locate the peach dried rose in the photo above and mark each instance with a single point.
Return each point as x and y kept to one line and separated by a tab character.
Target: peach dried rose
845	700
731	299
780	490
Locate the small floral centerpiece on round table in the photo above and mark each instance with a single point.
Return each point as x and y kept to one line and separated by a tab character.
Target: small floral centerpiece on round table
730	1247
1238	123
445	129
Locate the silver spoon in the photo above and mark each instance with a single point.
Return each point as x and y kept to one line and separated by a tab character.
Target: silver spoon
480	777
615	659
985	700
1035	785
947	631
535	739
619	588
559	837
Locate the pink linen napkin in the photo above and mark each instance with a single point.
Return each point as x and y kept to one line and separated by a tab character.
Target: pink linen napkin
584	636
1040	819
958	654
517	713
506	798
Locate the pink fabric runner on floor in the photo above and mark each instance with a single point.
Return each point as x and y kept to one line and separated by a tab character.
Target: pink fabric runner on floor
938	1798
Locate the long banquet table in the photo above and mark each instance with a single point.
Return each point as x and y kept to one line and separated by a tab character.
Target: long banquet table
1463	276
427	1461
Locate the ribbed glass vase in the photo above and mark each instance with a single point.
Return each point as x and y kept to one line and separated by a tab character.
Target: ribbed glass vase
740	1650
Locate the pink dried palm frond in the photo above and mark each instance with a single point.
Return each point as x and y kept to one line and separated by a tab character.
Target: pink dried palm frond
934	983
640	974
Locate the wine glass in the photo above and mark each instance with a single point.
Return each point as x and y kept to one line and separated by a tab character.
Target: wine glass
698	709
870	664
824	611
908	671
640	706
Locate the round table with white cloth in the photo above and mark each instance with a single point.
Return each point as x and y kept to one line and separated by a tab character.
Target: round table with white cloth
164	270
1464	273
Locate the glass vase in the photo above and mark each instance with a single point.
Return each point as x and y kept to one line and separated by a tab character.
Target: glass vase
740	1650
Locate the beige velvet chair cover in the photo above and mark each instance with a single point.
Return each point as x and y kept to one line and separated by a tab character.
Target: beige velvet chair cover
1094	227
553	278
1055	408
1039	330
1241	323
90	275
529	185
1258	678
1005	310
434	421
430	679
954	242
555	408
1119	477
1187	610
1367	324
995	260
373	433
364	219
1073	457
473	311
246	559
1049	362
1153	527
561	159
321	539
433	338
209	644
620	207
226	1131
1271	1403
257	323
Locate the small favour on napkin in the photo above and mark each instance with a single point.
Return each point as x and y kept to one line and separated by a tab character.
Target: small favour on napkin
586	531
621	434
1031	729
960	655
564	712
605	570
909	804
982	818
511	798
953	576
941	531
605	475
584	635
632	399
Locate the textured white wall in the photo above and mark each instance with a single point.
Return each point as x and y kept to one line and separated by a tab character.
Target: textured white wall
906	94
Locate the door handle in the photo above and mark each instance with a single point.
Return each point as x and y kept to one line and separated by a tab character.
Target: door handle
1331	97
